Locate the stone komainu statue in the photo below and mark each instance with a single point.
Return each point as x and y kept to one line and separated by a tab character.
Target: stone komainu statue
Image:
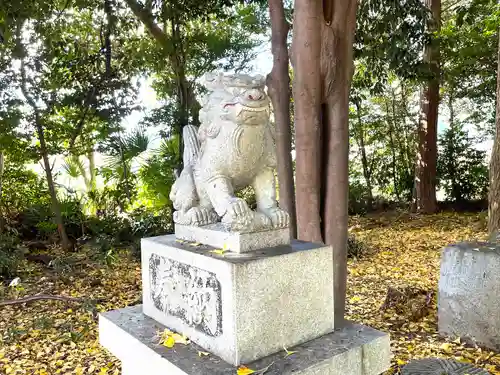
233	148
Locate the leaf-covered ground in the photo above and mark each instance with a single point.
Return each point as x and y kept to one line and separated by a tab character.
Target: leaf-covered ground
52	337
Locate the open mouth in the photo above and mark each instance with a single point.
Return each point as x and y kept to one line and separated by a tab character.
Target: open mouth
242	107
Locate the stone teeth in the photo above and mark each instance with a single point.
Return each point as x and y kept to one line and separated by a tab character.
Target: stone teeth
251	109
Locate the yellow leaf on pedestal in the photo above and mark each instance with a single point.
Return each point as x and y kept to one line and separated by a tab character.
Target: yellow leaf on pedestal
180	339
169	342
243	370
218	252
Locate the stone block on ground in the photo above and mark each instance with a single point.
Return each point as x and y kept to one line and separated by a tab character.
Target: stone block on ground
239	306
434	366
217	235
469	293
132	337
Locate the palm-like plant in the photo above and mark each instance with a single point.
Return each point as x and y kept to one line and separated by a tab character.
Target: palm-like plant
122	151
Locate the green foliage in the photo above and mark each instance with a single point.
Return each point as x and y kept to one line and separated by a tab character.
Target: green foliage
356	248
157	174
248	194
358	198
469	44
383	138
10	256
462	171
390	36
21	188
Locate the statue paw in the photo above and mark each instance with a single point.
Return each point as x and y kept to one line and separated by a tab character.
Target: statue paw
196	216
279	218
238	215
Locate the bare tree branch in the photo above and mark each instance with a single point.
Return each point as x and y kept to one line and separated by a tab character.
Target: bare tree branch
145	16
37	298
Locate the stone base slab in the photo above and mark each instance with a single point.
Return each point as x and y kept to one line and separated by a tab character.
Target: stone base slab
218	236
276	297
132	337
469	285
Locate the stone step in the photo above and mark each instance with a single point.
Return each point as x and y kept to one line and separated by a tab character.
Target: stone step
133	338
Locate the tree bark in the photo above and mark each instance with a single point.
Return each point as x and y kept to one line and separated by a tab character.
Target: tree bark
425	171
45	156
322	56
306	54
367	172
391	122
145	16
173	48
50	181
278	82
2	167
494	175
337	69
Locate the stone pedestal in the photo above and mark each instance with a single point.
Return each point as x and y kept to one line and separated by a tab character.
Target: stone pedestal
469	285
242	308
278	296
217	235
132	336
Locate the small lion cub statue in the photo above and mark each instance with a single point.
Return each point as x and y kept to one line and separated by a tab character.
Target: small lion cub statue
233	148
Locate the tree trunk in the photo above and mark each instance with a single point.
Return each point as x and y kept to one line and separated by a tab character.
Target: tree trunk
367	173
56	208
494	191
306	54
425	171
407	135
278	82
452	169
337	69
50	181
173	48
2	167
323	65
392	145
92	170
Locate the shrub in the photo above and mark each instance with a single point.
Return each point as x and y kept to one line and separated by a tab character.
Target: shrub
145	223
248	195
10	256
355	247
462	170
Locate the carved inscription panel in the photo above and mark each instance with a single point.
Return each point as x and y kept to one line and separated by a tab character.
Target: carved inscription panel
189	293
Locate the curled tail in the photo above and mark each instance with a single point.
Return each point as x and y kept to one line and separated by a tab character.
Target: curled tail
183	194
191	145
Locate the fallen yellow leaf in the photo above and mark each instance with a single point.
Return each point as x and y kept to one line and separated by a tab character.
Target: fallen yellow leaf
288	352
203	354
446	347
219	251
169	342
243	370
180	339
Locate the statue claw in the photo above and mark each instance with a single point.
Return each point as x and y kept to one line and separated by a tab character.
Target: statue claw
238	215
197	216
279	218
